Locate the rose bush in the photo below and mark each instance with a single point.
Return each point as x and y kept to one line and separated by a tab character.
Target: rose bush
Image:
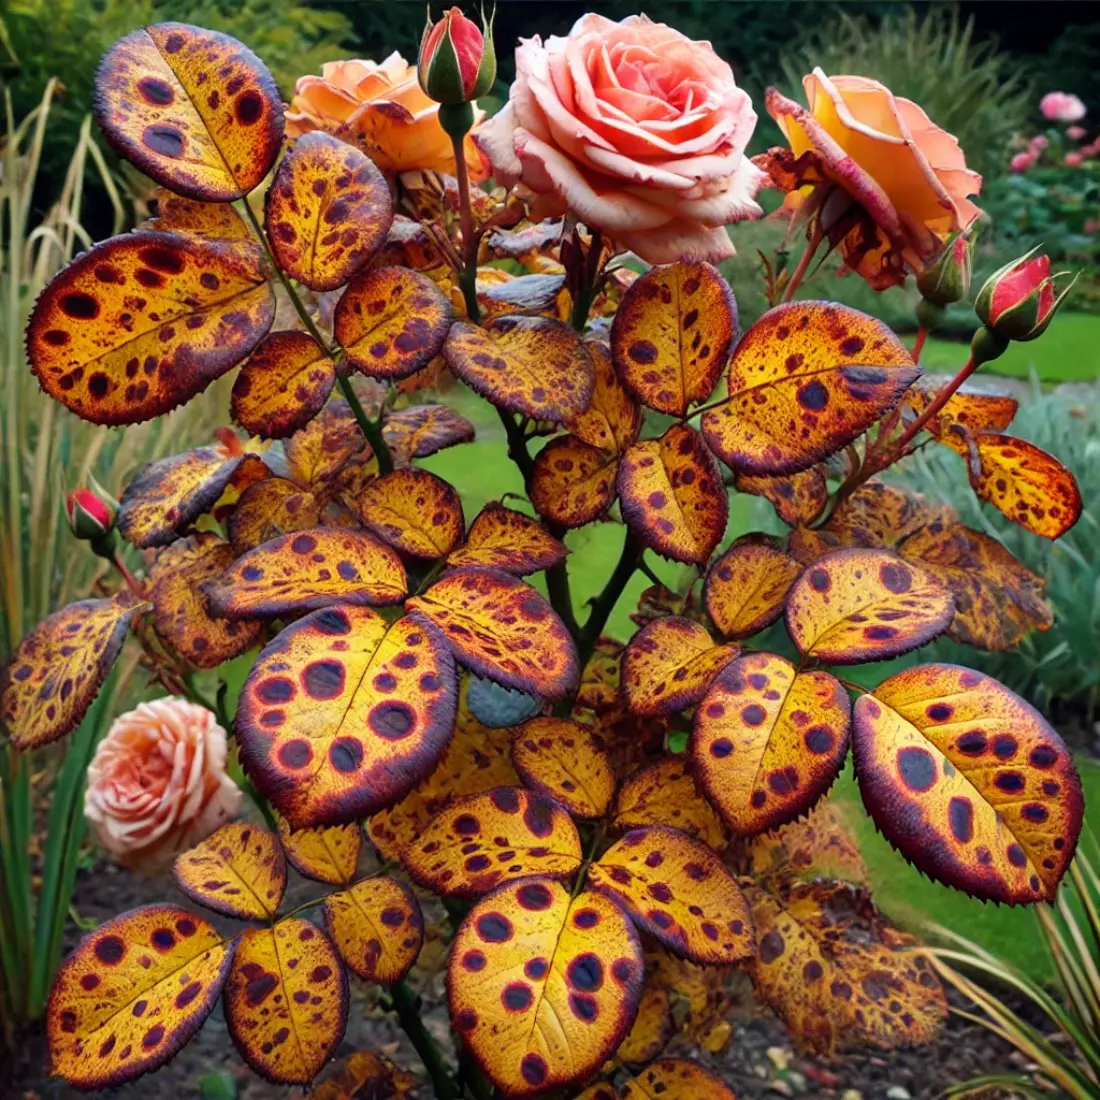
637	130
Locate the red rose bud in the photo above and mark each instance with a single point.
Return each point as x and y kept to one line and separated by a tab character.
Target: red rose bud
457	62
947	278
1020	300
91	513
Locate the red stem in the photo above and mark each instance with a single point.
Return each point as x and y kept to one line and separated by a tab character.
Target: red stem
938	402
918	343
804	262
132	583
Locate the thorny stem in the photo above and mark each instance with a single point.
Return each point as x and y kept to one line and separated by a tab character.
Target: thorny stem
406	1003
586	293
371	429
804	262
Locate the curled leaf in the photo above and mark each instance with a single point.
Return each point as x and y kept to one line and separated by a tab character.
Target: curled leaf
414	511
796	498
565	761
747	586
974	411
612	420
238	870
422	430
377	927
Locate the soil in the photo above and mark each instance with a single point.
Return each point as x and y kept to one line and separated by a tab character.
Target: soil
759	1062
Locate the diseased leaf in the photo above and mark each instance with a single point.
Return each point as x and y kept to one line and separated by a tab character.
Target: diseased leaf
563	760
968	782
818	845
865	605
392	321
325	445
132	994
283	386
141	323
612	420
238	870
796	498
1031	487
769	741
325	853
268	509
573	483
837	973
804	381
377	928
669	664
422	430
543	987
214	221
505	539
286	1000
364	1076
328	211
975	411
414	511
194	110
343	713
672	335
502	628
182	616
306	570
674	1079
653	1027
537	366
533	295
747	586
478	842
665	793
678	891
58	668
672	495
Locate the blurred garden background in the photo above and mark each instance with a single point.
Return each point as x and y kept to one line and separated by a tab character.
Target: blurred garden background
979	69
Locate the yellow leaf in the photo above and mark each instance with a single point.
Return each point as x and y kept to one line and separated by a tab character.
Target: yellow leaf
565	761
413	511
612	420
268	509
573	483
377	928
664	793
818	845
747	586
504	539
674	1079
238	870
422	430
326	853
796	498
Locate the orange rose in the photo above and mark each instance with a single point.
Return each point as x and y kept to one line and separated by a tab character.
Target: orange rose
381	109
905	179
157	784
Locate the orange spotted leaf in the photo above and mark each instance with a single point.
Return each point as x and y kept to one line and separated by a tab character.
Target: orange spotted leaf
132	994
653	1027
238	870
268	509
796	498
325	853
377	928
543	987
392	321
215	221
837	973
58	668
675	1079
804	381
565	761
672	495
343	713
865	605
573	482
422	430
505	539
679	891
193	109
669	664
536	366
665	793
612	420
1028	485
365	1076
968	782
325	445
769	741
328	211
478	842
283	386
819	844
747	586
672	335
141	323
500	627
286	1000
414	511
976	412
306	570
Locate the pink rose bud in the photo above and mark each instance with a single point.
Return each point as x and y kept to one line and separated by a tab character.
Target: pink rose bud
1021	162
91	514
457	62
1075	133
1019	301
947	278
1074	160
1062	107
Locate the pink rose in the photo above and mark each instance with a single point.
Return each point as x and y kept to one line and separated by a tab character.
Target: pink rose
157	784
1021	162
1075	133
1038	142
1062	107
637	130
1074	160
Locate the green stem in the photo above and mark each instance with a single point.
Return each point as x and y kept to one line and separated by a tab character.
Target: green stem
605	602
467	277
406	1004
586	293
370	428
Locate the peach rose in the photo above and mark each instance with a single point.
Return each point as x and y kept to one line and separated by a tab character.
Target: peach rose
157	784
637	130
906	179
381	109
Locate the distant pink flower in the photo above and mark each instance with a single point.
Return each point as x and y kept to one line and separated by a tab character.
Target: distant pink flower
1074	160
1075	133
1062	107
1021	162
1038	142
1092	225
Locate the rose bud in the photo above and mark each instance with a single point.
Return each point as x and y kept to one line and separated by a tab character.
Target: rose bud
1019	301
457	62
947	278
91	514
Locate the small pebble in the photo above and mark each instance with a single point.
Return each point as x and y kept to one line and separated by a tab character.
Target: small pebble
897	1092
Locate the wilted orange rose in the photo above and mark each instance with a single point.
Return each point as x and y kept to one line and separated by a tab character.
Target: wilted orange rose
903	181
381	109
157	784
